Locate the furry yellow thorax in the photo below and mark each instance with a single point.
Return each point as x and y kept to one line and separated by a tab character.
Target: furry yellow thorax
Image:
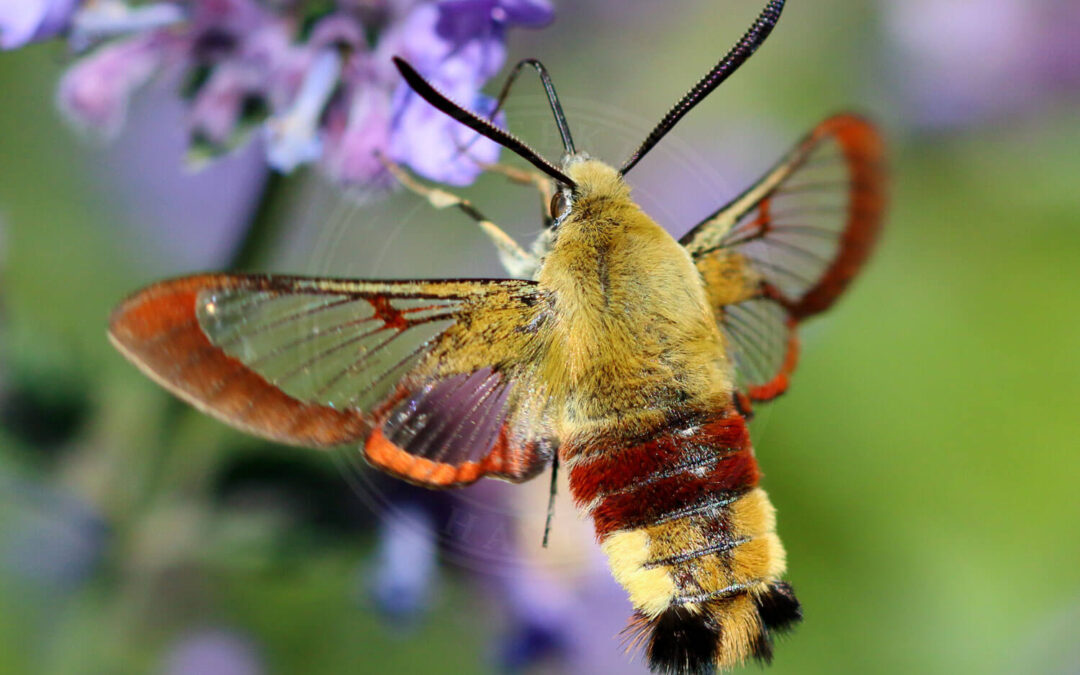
632	333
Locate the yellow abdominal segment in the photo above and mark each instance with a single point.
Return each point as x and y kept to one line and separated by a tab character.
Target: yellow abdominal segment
664	565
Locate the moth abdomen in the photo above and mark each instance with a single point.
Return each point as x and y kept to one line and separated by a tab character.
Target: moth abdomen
692	538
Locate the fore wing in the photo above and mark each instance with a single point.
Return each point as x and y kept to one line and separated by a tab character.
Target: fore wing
787	248
436	378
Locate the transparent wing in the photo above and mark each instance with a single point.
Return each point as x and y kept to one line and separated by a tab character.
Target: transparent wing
427	373
788	247
762	342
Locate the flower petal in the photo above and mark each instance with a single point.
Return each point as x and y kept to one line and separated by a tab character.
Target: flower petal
94	93
433	144
217	106
525	13
214	650
25	21
355	135
406	563
293	138
105	19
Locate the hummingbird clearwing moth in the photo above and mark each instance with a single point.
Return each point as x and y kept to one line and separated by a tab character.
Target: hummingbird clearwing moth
629	357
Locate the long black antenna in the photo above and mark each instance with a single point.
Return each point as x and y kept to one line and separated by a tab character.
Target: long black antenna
553	99
476	123
738	55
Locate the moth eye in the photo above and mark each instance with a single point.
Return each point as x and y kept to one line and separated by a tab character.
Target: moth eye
559	204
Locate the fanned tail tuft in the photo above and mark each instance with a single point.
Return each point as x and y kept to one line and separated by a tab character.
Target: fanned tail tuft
699	639
778	608
678	641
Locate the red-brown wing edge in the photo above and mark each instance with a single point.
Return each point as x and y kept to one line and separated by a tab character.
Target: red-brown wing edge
779	383
157	329
864	152
864	149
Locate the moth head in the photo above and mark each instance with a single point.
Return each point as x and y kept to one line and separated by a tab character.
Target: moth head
560	204
564	197
596	183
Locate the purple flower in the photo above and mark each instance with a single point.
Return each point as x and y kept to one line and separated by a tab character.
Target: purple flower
25	21
293	136
355	135
463	20
433	144
176	218
319	87
94	94
406	563
428	141
213	651
106	19
216	111
49	536
554	606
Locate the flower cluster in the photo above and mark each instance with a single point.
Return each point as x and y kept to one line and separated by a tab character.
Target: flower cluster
312	77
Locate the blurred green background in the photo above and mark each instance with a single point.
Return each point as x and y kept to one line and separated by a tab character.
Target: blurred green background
924	465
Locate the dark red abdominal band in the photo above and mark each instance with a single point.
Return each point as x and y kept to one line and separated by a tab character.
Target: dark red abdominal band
641	482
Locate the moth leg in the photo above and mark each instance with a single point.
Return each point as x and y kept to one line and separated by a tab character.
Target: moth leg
517	261
524	177
542	245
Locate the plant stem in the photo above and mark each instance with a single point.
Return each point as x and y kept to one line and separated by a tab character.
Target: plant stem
263	227
257	241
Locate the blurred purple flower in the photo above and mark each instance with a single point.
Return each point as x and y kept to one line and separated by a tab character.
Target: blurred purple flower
538	622
355	134
965	63
174	219
213	652
293	137
314	77
464	20
215	113
49	536
25	21
550	609
104	19
406	563
95	92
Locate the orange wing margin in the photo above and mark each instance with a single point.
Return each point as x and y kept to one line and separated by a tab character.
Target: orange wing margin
158	330
515	464
864	151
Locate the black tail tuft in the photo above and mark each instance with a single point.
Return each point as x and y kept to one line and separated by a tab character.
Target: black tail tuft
683	642
680	642
778	608
779	611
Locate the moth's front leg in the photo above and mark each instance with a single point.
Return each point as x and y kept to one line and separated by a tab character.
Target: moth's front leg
546	188
517	261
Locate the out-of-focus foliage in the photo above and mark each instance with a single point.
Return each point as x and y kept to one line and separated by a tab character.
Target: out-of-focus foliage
923	464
